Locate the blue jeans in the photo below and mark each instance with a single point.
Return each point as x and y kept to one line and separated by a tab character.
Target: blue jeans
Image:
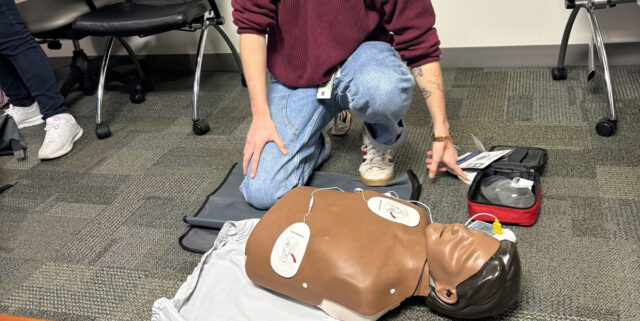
373	83
25	72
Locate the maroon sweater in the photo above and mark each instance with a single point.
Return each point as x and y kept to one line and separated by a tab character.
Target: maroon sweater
308	39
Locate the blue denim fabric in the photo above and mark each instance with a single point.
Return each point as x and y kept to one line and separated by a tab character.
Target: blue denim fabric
25	72
373	83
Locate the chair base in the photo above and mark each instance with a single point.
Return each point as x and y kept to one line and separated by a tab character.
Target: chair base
606	126
84	75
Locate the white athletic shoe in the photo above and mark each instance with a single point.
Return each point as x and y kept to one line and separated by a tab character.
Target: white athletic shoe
376	168
25	116
62	131
341	123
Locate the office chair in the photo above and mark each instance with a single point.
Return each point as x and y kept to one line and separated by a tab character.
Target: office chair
49	21
606	126
149	17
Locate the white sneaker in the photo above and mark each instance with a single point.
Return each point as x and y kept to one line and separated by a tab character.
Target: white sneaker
377	165
62	131
25	116
341	123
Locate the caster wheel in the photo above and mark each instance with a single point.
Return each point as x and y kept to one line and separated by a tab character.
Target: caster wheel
244	82
137	94
558	73
103	131
606	127
201	127
137	97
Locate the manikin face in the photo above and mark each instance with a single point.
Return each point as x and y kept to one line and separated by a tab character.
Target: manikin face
455	253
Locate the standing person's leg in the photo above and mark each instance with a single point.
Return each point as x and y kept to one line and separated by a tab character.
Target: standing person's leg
299	118
376	85
22	106
19	47
30	62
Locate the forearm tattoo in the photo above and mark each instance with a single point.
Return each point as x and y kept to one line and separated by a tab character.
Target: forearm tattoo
436	82
417	72
425	93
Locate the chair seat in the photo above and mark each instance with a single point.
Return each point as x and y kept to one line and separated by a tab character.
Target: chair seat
42	16
134	19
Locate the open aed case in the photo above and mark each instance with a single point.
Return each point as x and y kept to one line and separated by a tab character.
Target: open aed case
523	164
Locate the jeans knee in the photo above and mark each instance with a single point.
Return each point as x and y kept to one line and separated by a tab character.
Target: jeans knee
383	90
259	193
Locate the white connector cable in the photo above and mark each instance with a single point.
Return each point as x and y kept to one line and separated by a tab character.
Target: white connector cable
304	219
479	214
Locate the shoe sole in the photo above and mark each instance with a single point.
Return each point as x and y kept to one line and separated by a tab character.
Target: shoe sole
66	149
377	182
31	122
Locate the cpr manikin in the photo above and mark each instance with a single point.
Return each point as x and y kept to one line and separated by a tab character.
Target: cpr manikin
358	255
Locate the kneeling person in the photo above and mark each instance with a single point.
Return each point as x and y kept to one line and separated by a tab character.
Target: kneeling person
324	58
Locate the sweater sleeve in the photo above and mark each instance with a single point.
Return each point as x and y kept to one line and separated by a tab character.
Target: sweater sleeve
253	16
412	23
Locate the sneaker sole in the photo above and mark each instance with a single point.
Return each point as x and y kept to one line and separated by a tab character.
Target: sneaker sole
66	149
377	182
31	122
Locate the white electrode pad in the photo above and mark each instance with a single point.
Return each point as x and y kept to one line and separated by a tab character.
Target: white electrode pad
289	249
394	211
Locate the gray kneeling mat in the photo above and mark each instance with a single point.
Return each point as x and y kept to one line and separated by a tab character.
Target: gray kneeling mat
226	203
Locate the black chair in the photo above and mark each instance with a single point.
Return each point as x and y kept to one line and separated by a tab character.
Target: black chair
605	126
149	17
50	21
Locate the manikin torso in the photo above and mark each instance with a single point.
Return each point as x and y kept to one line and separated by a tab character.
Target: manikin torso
357	265
354	272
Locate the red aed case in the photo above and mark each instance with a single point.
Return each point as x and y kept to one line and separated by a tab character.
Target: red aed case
524	163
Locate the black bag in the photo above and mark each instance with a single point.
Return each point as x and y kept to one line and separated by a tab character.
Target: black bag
11	142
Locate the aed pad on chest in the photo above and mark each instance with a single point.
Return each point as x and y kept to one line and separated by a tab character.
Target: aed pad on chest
289	249
394	211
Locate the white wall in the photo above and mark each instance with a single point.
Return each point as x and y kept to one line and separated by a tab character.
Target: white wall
460	23
490	23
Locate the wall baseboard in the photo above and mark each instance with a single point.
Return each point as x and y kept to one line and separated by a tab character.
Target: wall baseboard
515	56
528	56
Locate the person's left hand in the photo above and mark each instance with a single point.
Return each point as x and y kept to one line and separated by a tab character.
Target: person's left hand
441	157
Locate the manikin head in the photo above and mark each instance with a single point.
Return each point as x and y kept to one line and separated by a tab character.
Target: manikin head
472	274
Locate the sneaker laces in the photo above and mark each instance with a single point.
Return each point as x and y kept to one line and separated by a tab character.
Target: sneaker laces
54	129
376	157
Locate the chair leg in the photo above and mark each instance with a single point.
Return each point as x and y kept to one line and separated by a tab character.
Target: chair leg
102	130
560	72
134	58
605	127
236	56
591	62
200	126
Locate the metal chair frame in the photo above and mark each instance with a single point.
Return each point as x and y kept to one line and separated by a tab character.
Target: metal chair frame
211	18
605	126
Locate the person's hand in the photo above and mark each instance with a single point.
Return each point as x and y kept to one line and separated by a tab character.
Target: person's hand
261	132
443	156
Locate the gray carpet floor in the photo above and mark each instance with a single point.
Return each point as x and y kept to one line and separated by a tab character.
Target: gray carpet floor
94	235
